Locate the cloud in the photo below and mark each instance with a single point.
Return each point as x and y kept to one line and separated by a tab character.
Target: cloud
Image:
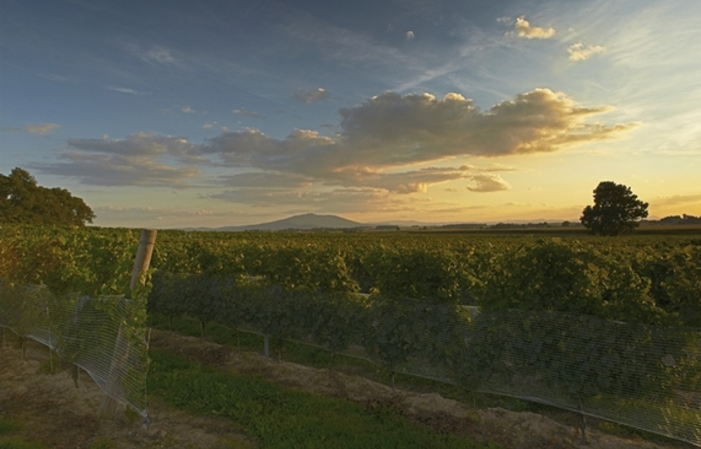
187	110
391	132
580	52
143	159
344	200
40	128
409	35
390	143
266	180
154	55
413	181
523	29
209	125
311	96
246	113
677	200
488	183
126	90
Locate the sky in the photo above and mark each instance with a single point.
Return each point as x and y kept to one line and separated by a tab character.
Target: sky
217	113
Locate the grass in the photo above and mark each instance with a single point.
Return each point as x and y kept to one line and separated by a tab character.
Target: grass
320	358
278	417
9	441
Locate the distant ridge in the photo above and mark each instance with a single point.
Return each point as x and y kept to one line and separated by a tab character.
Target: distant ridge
298	222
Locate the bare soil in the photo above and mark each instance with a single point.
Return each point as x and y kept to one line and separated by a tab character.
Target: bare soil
55	413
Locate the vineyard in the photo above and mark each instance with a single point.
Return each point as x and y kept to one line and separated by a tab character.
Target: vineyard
606	327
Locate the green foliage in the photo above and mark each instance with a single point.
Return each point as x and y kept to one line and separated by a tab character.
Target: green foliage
564	294
23	201
73	283
683	285
90	261
281	418
418	273
9	441
616	210
580	356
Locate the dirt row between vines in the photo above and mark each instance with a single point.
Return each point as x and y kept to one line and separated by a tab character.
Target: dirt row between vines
57	414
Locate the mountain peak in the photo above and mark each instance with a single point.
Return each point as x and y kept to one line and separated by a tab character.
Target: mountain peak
301	222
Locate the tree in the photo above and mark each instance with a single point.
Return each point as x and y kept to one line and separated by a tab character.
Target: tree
23	201
616	210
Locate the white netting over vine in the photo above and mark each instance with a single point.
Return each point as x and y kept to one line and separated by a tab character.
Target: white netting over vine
642	376
105	336
639	375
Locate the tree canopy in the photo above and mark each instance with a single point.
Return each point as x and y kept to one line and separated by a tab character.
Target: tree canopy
616	210
22	200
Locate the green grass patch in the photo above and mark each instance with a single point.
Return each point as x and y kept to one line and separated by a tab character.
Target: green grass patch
8	426
320	358
9	441
278	417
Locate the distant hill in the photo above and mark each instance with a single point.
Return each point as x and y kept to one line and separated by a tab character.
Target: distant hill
300	222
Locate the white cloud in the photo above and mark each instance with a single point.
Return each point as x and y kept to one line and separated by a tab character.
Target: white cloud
311	96
488	183
580	52
409	35
523	29
40	128
187	110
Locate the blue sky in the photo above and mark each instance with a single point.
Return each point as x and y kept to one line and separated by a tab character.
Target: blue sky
212	113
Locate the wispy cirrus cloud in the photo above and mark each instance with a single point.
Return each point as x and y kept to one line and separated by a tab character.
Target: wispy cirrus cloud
581	52
127	90
523	29
154	54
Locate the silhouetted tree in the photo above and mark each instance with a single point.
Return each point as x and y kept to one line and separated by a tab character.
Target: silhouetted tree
23	201
616	210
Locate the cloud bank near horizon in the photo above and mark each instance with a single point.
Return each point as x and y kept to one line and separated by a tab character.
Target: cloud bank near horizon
390	143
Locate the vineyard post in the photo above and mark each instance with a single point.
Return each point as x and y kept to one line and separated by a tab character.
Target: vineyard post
143	257
121	346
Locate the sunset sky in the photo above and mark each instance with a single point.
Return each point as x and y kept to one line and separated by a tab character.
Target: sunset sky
213	113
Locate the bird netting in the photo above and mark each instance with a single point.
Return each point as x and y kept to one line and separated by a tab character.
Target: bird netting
104	336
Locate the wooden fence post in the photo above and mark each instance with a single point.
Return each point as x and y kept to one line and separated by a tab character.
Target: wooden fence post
141	265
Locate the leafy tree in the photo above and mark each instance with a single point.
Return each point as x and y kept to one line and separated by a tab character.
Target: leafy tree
23	201
616	210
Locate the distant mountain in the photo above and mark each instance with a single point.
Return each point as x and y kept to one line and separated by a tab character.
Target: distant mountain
300	222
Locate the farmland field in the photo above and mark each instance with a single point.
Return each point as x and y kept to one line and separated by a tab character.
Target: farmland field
601	326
